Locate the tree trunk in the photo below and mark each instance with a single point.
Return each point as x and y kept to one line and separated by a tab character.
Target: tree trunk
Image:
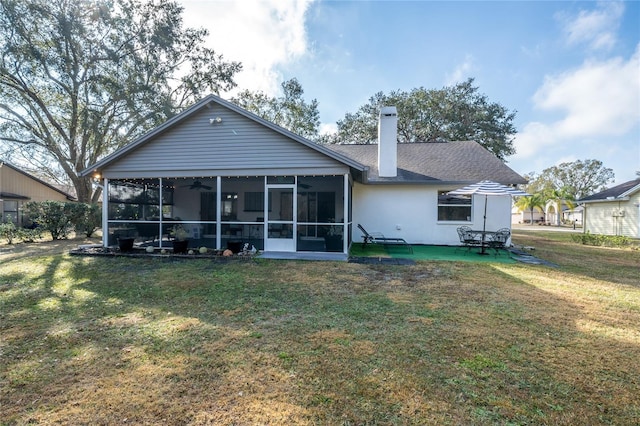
83	189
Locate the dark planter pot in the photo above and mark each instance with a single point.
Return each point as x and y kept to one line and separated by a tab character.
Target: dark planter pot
235	246
180	246
333	243
126	243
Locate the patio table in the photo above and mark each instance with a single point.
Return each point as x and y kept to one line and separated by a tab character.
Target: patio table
482	234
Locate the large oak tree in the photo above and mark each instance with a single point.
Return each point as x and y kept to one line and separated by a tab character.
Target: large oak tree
80	78
289	110
571	180
453	113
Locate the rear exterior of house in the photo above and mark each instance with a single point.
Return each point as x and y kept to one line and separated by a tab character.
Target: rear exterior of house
229	179
233	179
415	204
615	211
18	188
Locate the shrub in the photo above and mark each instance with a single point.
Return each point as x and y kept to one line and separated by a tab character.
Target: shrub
601	240
8	231
87	218
29	235
54	217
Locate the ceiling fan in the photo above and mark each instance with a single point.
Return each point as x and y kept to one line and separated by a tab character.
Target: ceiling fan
198	185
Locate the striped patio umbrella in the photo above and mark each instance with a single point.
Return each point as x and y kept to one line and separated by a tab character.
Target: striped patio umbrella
486	188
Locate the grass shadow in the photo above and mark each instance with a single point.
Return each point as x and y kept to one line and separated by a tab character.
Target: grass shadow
592	262
314	342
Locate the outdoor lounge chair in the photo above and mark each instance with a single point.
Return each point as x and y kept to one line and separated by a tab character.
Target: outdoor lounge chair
378	238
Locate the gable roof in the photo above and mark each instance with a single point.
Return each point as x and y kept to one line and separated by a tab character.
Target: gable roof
618	192
194	109
40	181
460	162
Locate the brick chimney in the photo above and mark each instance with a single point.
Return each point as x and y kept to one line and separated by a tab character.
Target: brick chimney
388	142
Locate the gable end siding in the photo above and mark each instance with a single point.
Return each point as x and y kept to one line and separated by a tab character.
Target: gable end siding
15	182
235	146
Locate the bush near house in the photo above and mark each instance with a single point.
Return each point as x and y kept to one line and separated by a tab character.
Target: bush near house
88	218
59	218
29	235
8	232
601	240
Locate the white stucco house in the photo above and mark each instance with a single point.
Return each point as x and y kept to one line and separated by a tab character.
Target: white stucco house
573	215
614	211
557	212
231	177
519	216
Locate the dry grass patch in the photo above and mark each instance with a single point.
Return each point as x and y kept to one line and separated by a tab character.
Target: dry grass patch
153	341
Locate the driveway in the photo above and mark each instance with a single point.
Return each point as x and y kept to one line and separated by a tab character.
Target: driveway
522	227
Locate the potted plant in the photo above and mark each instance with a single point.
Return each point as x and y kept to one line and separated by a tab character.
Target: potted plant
125	243
333	239
180	239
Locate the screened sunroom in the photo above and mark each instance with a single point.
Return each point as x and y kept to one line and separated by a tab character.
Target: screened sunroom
268	213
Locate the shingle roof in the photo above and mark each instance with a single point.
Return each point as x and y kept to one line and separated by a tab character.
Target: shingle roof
617	191
438	162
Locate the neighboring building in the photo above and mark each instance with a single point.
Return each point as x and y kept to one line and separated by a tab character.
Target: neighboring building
519	216
231	177
573	216
548	216
555	215
17	188
615	211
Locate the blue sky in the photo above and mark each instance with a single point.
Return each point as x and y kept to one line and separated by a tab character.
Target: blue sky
571	70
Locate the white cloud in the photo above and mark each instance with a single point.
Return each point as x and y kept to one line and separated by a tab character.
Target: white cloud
597	28
262	34
599	99
328	128
534	137
461	72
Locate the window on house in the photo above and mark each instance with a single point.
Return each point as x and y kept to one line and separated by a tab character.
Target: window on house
10	213
455	208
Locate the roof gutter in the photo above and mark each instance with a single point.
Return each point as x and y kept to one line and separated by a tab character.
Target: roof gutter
612	200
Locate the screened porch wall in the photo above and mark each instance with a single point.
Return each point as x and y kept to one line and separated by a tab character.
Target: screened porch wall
225	212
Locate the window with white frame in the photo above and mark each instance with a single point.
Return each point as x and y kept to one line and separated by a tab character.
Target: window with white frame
454	208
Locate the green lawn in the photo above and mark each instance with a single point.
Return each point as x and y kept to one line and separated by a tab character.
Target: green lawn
91	340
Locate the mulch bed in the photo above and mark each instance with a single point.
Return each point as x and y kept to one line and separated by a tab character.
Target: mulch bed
93	250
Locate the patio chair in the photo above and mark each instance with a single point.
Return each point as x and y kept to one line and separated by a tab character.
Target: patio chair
468	238
379	238
498	240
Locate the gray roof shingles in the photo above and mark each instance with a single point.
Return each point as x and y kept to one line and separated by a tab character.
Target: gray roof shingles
615	191
435	162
